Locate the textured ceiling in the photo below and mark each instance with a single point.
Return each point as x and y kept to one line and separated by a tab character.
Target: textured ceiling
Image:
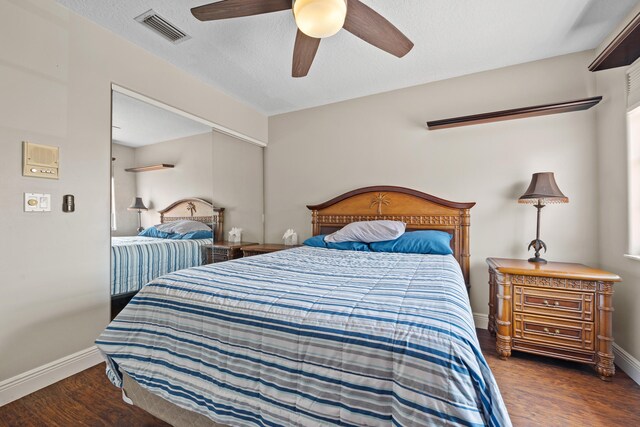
250	58
136	123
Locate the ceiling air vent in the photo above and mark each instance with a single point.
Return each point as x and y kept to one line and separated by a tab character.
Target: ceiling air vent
159	25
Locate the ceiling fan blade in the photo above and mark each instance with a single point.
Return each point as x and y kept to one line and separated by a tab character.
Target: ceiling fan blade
303	54
370	26
236	8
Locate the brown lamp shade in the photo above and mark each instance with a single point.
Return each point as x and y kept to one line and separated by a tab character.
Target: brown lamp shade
543	188
137	205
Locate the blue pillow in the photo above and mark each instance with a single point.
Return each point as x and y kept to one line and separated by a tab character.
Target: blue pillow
349	246
200	234
417	242
154	232
318	242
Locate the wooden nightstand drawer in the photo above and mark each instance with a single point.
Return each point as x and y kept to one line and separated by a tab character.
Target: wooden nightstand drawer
563	333
224	251
254	249
212	257
550	302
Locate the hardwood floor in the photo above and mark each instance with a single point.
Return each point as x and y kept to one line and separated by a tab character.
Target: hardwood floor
85	399
538	391
542	391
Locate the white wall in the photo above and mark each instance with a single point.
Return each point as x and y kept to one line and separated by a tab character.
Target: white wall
211	166
56	73
316	154
238	185
191	177
125	190
613	207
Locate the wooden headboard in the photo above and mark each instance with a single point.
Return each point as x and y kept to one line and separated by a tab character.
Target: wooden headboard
420	211
195	210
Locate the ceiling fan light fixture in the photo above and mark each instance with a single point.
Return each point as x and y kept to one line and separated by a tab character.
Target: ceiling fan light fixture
320	18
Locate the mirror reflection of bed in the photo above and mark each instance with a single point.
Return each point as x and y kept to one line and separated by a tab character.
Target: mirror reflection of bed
177	188
186	228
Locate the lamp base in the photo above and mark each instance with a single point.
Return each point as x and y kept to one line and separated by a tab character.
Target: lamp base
537	245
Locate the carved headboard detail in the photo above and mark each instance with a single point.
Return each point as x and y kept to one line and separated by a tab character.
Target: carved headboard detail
195	209
420	211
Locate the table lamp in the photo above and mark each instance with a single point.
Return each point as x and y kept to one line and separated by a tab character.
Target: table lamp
542	191
137	205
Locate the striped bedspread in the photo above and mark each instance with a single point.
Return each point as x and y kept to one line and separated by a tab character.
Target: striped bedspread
137	260
309	337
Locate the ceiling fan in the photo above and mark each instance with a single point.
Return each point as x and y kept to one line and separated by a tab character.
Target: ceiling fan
316	19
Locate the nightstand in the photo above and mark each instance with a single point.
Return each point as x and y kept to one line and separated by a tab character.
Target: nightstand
225	251
250	250
562	310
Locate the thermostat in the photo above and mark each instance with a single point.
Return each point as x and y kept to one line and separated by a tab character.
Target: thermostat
40	160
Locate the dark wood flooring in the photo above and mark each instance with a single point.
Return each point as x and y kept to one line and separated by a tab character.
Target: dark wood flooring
85	399
542	391
538	391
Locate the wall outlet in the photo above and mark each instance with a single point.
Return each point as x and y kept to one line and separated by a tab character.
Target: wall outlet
37	202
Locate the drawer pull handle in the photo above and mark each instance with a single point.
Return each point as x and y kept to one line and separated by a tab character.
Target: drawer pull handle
556	332
545	302
556	303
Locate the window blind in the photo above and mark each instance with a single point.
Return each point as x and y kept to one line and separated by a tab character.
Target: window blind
114	225
633	86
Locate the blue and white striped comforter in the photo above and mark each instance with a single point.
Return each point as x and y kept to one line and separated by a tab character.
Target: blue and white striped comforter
308	337
137	260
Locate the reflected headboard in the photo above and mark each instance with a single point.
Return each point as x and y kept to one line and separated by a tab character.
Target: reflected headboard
420	211
195	209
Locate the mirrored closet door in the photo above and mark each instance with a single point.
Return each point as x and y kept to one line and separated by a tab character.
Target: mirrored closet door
178	188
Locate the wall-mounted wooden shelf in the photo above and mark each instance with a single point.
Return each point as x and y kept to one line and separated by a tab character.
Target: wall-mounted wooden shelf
150	168
516	113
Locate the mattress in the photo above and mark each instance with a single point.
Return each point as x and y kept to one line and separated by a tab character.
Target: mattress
137	260
163	409
310	336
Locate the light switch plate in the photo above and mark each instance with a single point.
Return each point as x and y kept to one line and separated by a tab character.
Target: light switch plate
37	202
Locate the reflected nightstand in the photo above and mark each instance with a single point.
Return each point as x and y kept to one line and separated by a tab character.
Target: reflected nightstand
225	251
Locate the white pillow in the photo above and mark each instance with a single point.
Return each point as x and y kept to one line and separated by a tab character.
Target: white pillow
368	232
182	226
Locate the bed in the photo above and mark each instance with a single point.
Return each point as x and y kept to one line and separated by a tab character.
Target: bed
312	336
136	260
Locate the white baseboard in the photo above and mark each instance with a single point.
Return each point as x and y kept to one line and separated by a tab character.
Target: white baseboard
481	320
45	375
626	362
